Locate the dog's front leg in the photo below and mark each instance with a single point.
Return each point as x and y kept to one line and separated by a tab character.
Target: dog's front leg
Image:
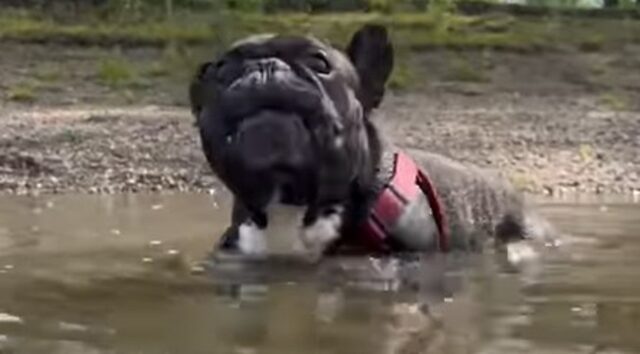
230	239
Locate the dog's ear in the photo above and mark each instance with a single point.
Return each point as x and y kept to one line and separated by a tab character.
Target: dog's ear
371	53
196	94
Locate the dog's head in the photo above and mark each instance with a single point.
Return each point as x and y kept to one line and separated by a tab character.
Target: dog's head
286	117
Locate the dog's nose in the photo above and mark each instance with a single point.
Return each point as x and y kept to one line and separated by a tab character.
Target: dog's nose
264	69
272	142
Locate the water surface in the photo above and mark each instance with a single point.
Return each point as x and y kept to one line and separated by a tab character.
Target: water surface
120	274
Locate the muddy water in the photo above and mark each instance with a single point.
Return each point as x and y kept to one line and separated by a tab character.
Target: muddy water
122	274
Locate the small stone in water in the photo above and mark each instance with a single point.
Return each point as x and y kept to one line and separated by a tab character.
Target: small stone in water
245	351
155	243
66	326
173	252
147	260
7	318
8	267
157	207
197	269
115	232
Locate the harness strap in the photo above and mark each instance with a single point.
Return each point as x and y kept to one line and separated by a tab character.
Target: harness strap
424	182
406	184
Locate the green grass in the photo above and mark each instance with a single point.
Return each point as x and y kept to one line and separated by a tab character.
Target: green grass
22	92
32	29
115	72
593	43
462	70
180	61
414	31
402	77
523	181
157	69
613	101
47	73
189	37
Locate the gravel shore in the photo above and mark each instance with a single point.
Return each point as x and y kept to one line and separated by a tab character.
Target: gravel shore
550	121
545	145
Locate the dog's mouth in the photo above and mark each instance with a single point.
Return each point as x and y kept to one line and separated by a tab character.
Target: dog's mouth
278	122
270	158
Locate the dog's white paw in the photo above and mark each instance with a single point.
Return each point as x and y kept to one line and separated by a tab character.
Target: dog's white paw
326	229
521	252
251	239
285	234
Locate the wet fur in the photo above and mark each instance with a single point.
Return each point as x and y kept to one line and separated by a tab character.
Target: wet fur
479	205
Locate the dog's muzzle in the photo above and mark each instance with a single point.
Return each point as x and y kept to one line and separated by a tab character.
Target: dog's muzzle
278	120
273	149
271	141
270	83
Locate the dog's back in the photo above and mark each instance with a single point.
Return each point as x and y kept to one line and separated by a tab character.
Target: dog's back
479	203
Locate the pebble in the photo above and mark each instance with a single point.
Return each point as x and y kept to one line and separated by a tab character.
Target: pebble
10	319
72	327
197	270
155	243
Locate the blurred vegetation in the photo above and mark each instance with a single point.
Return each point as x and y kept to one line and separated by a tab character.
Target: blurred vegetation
115	72
168	7
450	23
191	29
22	92
463	70
614	101
437	27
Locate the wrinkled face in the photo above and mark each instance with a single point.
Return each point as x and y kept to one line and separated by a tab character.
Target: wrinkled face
283	120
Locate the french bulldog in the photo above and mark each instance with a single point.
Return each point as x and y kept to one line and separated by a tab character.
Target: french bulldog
285	123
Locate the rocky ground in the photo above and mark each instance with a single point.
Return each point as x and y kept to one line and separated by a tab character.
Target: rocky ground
75	135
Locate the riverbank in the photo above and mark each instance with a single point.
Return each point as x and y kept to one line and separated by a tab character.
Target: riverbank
103	116
545	145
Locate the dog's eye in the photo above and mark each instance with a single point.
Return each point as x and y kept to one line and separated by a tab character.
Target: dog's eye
222	68
203	69
220	63
318	62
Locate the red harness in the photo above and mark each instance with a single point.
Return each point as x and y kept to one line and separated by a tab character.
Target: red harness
407	182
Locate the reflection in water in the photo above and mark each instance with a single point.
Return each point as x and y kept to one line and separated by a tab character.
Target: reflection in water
115	274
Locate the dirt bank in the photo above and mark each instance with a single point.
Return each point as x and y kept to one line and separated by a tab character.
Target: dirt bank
69	121
543	144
